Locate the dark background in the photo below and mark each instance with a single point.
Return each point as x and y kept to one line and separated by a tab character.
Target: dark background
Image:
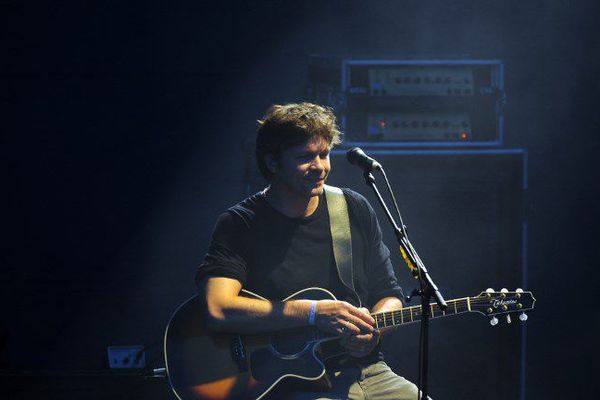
122	129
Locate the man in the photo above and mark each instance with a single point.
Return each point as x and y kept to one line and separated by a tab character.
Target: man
278	242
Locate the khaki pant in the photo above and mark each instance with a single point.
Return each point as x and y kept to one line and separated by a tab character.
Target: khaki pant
372	382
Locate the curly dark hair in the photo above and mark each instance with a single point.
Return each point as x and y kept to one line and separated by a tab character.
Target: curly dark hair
285	126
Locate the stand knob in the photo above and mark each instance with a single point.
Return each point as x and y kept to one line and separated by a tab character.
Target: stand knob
494	321
523	317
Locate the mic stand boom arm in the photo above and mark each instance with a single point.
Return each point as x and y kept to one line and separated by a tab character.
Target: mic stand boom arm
428	288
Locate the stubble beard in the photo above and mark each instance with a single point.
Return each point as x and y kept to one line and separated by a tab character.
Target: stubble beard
318	190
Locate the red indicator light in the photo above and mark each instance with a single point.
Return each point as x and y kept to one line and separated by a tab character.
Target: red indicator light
382	124
464	135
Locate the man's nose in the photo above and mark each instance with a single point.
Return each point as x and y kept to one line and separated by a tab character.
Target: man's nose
317	164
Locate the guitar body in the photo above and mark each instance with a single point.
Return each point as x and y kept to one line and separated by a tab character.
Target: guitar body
203	365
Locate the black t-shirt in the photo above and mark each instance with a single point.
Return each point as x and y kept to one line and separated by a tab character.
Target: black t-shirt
275	256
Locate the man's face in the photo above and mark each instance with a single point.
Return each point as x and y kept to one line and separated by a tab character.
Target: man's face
303	169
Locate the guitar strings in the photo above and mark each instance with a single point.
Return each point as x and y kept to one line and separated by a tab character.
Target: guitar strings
409	314
414	313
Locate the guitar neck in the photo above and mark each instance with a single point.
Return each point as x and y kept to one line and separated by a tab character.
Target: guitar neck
412	314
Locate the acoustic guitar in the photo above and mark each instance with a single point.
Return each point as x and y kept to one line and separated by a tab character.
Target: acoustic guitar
203	365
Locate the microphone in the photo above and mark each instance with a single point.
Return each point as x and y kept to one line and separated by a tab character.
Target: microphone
358	157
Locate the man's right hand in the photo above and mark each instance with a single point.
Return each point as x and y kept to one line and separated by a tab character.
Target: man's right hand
342	318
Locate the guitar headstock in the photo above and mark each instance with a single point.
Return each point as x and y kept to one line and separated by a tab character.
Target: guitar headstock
491	303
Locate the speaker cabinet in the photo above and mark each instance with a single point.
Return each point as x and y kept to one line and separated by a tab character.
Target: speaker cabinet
464	213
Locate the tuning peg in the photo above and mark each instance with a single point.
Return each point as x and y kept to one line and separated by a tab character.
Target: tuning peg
519	290
494	321
490	290
504	290
523	317
508	319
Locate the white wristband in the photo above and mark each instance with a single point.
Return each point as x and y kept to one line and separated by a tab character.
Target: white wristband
312	312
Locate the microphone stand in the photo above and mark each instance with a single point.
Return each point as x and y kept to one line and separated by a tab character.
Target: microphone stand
428	288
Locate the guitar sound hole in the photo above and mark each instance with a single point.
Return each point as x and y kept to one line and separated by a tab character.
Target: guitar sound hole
292	342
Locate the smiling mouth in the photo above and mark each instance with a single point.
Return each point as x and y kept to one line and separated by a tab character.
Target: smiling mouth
316	180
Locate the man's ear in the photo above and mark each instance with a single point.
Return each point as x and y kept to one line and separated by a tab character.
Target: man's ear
271	163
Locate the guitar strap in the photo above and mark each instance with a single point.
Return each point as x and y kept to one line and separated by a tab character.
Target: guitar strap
339	222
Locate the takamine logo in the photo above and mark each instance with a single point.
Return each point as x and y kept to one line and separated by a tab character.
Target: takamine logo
500	303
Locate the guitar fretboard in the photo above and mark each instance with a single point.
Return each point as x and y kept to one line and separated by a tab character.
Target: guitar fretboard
408	315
